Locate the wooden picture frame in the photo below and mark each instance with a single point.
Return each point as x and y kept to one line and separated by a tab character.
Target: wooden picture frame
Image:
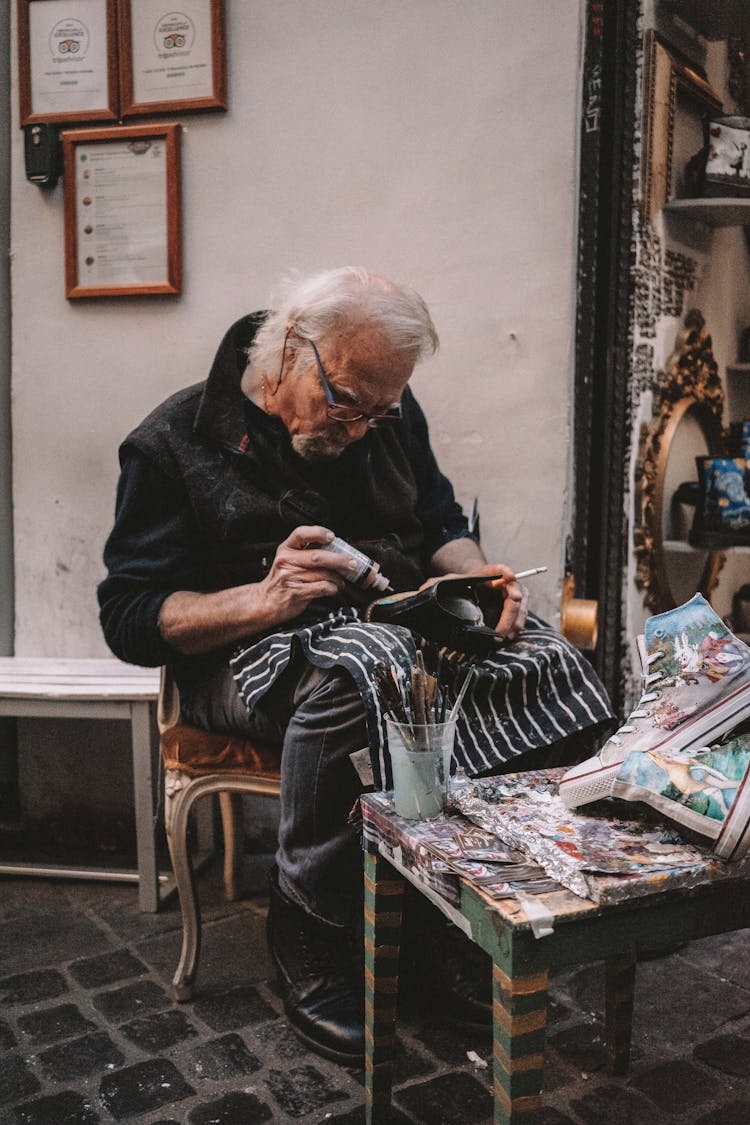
172	61
673	89
67	61
122	202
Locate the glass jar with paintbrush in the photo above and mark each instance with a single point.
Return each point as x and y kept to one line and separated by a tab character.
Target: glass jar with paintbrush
421	735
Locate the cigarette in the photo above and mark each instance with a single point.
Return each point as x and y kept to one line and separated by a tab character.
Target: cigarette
494	583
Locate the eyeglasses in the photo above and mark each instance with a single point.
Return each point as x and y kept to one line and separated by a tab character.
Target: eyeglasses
342	413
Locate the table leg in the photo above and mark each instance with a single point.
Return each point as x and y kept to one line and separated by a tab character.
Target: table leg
618	1011
519	1008
384	896
148	876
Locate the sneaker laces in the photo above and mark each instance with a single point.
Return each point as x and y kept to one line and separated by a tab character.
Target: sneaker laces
640	711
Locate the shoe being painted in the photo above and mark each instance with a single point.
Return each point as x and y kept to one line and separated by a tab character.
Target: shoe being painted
696	677
707	790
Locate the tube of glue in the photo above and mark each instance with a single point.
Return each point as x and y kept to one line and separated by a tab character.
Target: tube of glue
367	574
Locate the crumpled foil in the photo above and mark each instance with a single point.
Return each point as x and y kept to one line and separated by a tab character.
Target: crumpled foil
525	811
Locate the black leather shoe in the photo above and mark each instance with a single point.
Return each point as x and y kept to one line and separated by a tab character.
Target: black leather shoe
451	612
446	974
321	979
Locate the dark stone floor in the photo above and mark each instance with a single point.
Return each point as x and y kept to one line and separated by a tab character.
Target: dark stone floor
89	1031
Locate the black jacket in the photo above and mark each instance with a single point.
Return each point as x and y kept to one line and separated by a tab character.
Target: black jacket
210	486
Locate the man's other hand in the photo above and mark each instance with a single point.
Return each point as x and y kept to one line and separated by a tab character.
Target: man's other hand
515	597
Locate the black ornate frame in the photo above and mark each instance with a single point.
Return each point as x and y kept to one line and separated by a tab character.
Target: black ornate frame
597	548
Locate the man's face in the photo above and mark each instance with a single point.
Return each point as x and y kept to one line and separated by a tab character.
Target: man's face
363	371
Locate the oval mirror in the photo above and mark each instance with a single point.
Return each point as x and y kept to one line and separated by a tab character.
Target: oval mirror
686	424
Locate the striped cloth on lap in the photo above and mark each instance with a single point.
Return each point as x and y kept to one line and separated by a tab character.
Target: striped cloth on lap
530	693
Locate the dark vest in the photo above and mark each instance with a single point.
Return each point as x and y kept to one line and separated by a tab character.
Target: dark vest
238	477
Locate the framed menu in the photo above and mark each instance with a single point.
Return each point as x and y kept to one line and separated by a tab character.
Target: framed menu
172	60
67	60
122	211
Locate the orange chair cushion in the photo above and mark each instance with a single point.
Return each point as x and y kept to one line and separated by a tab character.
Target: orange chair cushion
197	752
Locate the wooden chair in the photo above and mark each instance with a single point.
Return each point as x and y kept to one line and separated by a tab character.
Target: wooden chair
198	763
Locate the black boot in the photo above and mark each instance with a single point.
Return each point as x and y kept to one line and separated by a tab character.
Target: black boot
322	984
434	950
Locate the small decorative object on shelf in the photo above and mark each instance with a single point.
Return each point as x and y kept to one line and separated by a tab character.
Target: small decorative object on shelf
722	166
722	515
739	440
685	500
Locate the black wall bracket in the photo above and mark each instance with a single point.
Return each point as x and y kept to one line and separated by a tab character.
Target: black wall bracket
42	154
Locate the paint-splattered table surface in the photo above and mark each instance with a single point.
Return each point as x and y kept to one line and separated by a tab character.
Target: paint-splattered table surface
528	849
530	929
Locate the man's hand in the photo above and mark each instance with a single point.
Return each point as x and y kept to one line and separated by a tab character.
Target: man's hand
516	597
303	570
515	605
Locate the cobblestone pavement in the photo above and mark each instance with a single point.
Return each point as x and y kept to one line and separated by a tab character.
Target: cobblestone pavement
89	1031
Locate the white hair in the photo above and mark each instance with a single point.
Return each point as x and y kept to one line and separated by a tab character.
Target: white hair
316	305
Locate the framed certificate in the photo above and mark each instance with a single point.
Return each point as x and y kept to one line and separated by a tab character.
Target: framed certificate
172	60
122	211
67	60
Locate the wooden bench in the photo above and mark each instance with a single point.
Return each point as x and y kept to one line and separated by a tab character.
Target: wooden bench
51	688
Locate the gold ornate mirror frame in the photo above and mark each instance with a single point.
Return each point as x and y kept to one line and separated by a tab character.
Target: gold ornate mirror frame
690	382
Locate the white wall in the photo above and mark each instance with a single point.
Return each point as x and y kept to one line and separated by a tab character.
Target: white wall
433	141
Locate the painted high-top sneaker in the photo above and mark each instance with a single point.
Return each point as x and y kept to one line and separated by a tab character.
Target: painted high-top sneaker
696	678
706	790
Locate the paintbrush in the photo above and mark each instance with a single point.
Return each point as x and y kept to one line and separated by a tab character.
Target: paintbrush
443	706
393	702
390	695
430	698
461	693
417	697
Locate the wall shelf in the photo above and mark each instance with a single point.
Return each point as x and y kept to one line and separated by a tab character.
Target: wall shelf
682	547
721	212
739	368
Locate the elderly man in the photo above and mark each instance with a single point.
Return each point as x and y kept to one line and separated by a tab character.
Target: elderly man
218	566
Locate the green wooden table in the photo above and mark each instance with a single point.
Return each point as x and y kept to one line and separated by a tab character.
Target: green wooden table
582	931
